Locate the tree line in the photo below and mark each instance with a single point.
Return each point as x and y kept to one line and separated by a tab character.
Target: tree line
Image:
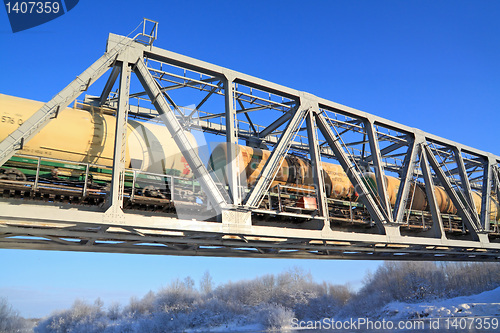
270	301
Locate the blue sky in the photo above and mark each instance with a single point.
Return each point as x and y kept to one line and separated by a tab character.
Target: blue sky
432	65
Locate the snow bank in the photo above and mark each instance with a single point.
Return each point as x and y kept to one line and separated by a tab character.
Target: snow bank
229	328
484	304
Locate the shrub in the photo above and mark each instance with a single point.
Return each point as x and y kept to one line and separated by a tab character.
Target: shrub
275	317
81	318
144	306
177	297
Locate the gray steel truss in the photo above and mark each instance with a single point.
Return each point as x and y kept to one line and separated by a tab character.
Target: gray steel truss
437	221
406	174
248	223
174	127
379	171
273	163
353	172
319	182
471	223
232	141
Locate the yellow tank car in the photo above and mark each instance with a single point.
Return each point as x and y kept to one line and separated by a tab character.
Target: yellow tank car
391	183
294	171
88	137
494	205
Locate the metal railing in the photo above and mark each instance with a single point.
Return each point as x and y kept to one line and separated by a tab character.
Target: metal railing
81	177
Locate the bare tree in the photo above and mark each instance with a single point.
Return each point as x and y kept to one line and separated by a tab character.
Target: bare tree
10	321
206	283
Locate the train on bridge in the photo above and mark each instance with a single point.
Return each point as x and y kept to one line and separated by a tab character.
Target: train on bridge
253	169
71	159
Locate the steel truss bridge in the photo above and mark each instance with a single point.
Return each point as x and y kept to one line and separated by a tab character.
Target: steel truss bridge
258	113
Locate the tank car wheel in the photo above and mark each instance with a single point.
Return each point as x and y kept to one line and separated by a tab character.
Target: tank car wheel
153	192
13	174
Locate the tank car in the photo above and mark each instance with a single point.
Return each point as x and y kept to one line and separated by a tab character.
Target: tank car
88	137
419	200
296	171
418	196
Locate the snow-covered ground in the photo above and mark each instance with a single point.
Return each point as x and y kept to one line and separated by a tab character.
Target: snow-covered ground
229	328
483	304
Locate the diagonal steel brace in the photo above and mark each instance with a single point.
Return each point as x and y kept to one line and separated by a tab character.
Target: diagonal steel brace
470	222
377	214
167	115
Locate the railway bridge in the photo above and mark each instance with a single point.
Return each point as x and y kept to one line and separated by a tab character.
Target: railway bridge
300	177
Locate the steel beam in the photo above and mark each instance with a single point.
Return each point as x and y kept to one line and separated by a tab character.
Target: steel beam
406	175
454	171
496	176
109	84
365	196
471	224
263	107
168	117
319	182
189	83
232	166
243	110
174	105
249	251
379	172
274	161
157	235
496	184
68	221
486	193
115	204
302	239
467	191
386	150
355	143
250	122
243	249
277	123
207	96
437	222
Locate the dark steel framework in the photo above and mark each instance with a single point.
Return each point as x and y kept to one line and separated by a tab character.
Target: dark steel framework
294	122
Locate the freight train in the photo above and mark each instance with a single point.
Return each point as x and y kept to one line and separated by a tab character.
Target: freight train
295	173
85	137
